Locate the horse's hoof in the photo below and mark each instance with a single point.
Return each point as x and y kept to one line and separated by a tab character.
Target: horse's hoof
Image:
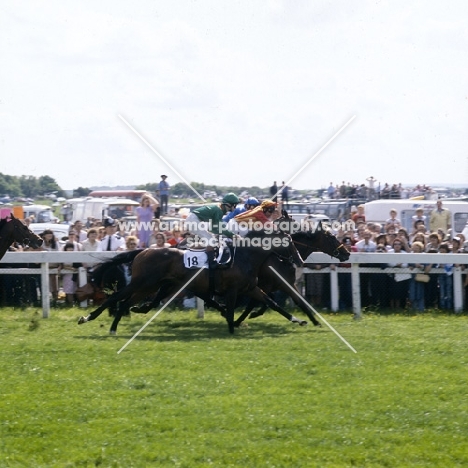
140	309
302	323
318	324
255	315
112	332
82	320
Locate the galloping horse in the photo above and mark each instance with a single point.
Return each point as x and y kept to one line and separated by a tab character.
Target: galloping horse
163	271
14	230
306	242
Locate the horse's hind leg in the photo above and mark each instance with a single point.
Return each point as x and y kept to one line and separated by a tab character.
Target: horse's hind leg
109	302
244	314
261	296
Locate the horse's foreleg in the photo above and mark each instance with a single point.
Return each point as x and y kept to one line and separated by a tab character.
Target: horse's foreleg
306	310
243	316
109	302
230	305
261	296
259	312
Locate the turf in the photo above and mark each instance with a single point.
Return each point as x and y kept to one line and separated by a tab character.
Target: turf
185	393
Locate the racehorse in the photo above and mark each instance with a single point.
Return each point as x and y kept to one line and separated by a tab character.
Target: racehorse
306	242
14	230
163	271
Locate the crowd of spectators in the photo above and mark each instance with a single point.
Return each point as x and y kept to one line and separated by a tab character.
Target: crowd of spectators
395	291
374	190
385	290
96	235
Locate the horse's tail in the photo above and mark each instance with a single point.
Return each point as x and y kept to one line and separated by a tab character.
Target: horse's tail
98	273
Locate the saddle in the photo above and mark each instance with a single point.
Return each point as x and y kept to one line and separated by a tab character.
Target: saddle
197	258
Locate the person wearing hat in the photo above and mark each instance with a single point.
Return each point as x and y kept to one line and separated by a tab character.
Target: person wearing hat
206	223
264	213
111	241
249	204
163	192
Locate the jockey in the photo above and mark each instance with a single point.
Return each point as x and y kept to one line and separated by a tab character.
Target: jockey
206	223
264	214
249	204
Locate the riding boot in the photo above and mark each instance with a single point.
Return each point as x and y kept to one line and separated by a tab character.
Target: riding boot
210	253
212	262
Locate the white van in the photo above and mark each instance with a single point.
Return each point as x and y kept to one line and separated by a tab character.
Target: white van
39	214
98	208
379	211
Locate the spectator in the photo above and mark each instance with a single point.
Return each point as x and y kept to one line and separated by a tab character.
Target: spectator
50	244
419	216
433	242
371	190
69	272
445	281
274	192
393	220
72	239
399	287
163	192
176	236
359	217
145	213
331	191
416	288
161	242
420	237
285	195
441	218
111	241
80	233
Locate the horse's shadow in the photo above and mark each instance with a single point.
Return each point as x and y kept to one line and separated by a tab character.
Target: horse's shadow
169	331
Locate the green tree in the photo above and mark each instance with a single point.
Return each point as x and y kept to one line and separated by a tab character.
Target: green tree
47	184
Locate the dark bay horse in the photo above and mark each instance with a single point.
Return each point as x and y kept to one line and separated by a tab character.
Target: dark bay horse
14	230
163	271
306	242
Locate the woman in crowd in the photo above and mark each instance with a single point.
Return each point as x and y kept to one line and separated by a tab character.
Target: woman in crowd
51	245
69	272
417	288
160	242
145	214
399	287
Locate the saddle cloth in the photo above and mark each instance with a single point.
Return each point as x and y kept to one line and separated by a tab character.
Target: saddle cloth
198	259
195	259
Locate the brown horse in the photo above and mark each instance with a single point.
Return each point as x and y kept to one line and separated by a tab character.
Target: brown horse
14	230
306	242
163	271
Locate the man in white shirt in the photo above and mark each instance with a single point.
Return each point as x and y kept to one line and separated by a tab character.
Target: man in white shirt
366	244
111	241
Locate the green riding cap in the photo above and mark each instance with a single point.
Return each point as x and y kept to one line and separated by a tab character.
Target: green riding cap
230	199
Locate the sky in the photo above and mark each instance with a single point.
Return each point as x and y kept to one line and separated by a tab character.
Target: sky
238	93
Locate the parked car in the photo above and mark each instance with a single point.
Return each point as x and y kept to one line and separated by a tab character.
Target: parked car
60	230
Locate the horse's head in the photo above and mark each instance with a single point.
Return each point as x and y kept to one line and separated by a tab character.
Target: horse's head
335	248
21	233
320	240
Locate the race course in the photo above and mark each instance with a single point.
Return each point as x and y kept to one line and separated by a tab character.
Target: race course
185	393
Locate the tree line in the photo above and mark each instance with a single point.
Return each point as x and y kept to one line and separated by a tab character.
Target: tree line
28	186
